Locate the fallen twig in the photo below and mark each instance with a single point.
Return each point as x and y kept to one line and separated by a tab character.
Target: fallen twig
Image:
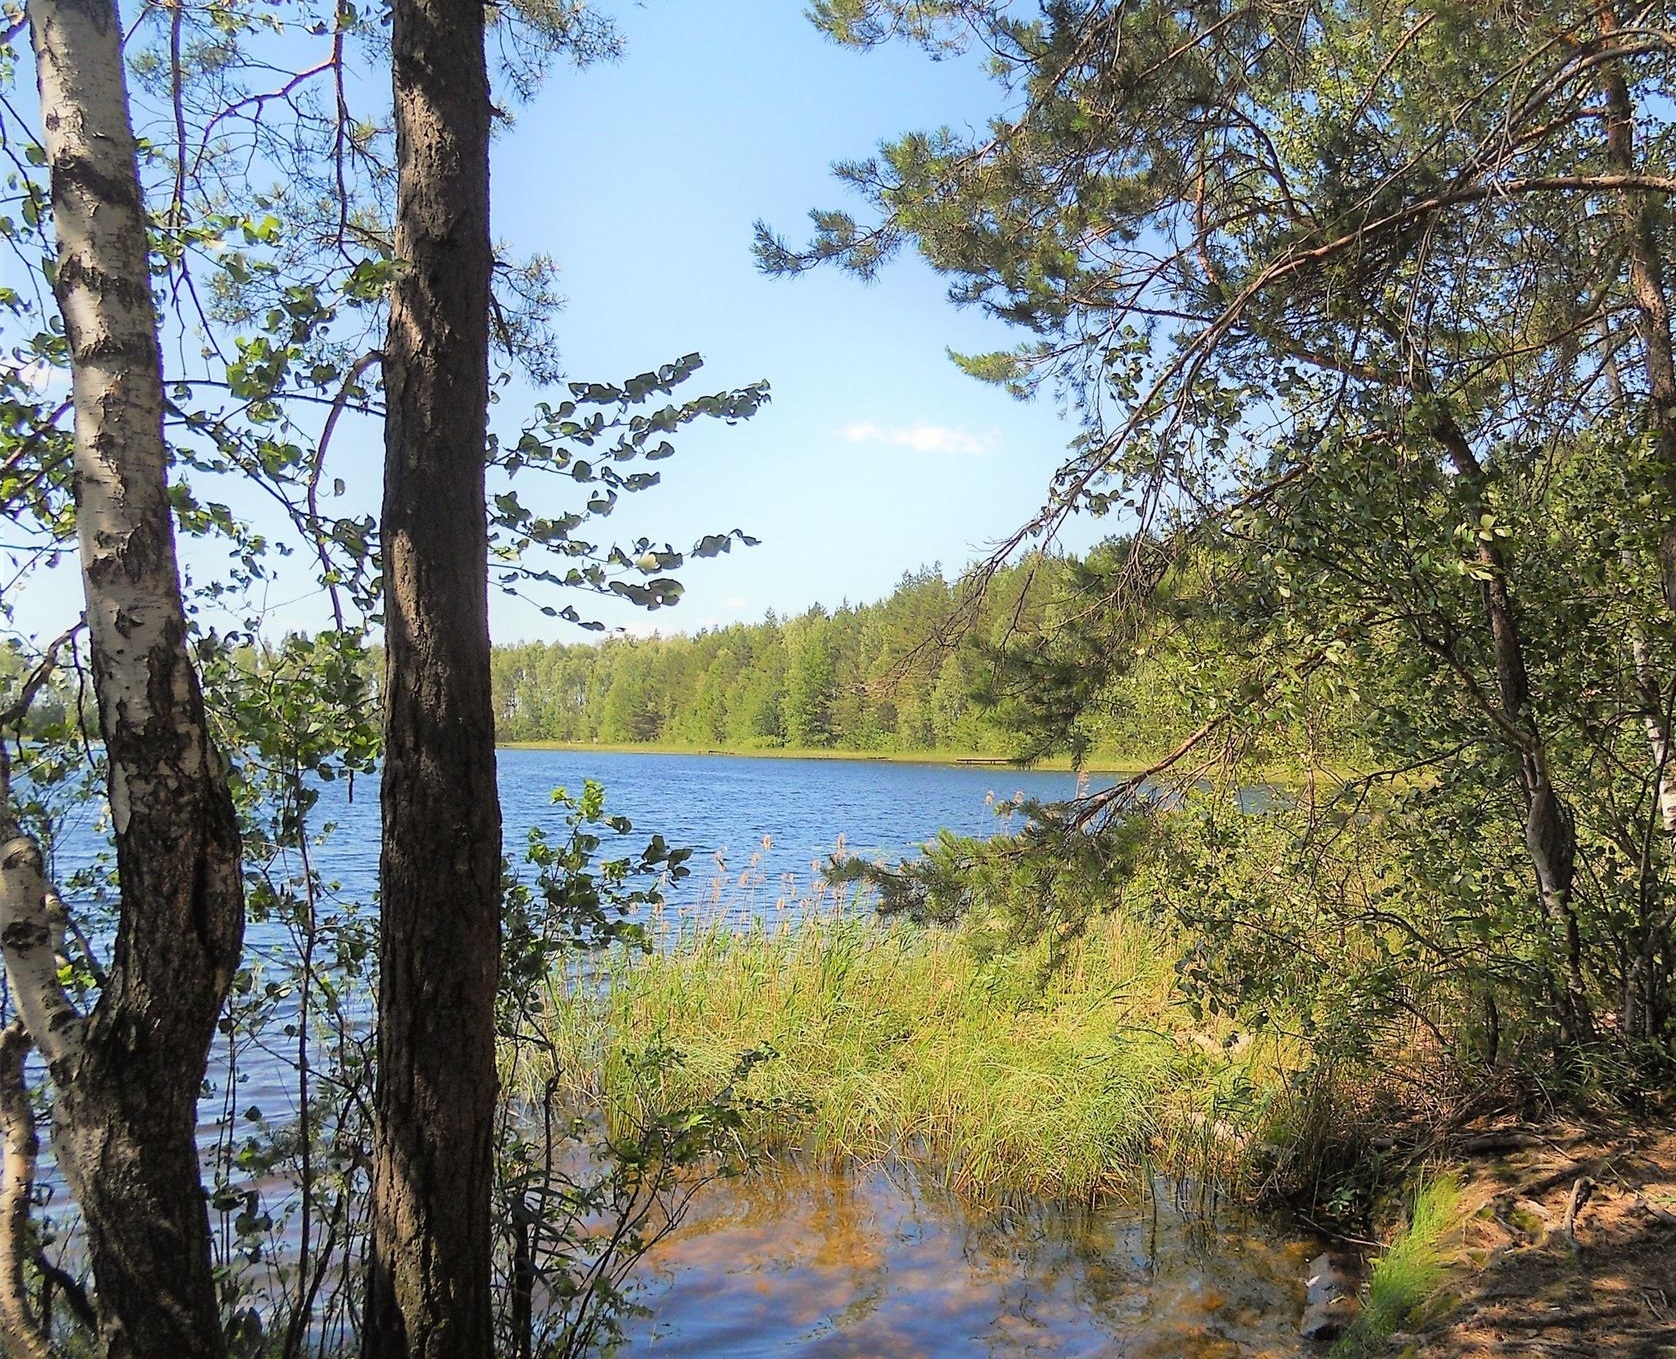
1579	1196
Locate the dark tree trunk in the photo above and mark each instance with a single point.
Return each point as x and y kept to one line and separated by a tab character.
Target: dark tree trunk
1636	214
428	1286
1550	829
1645	1008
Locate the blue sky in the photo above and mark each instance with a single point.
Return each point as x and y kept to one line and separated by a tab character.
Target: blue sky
642	179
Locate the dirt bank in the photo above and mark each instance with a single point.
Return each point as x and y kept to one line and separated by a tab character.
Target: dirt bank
1572	1250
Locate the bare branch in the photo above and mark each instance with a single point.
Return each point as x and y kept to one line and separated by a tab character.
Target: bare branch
18	709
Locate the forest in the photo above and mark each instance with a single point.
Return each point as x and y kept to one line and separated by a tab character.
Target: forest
1360	315
932	669
874	677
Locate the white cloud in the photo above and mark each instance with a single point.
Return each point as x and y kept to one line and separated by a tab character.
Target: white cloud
734	604
922	438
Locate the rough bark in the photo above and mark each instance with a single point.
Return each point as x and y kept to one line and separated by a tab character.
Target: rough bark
428	1287
1645	1002
127	1090
1647	293
1652	312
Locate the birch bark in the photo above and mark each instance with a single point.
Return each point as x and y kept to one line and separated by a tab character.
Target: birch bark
127	1084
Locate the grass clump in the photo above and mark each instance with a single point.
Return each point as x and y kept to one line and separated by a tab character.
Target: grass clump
1409	1275
897	1042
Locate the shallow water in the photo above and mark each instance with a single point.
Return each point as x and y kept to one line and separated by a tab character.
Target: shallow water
822	1265
819	1265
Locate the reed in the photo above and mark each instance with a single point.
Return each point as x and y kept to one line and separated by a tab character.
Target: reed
891	1041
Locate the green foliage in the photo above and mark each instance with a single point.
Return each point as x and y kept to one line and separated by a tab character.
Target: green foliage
582	1207
270	183
811	681
579	899
1042	885
1360	928
287	1169
590	440
581	1200
1364	312
912	672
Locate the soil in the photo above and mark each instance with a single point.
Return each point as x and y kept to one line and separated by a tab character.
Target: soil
1527	1285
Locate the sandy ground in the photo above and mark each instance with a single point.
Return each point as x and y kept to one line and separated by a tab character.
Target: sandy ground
1572	1252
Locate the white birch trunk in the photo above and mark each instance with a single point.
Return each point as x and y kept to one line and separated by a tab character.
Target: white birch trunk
21	1336
125	1109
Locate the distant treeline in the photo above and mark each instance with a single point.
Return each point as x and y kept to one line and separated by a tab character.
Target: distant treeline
873	677
931	669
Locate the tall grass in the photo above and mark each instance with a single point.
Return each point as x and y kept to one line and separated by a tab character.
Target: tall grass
895	1042
1412	1270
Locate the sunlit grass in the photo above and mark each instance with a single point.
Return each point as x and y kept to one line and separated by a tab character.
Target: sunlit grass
891	1041
1413	1268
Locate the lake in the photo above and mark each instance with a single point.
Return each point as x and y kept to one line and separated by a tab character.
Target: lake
816	1264
761	828
771	821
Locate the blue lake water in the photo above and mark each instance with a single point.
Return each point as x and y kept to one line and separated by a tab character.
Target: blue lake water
721	803
811	1264
773	822
760	829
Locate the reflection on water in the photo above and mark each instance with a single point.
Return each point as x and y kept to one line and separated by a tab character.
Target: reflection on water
833	1266
823	1265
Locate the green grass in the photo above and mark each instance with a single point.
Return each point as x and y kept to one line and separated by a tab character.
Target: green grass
1097	764
893	1042
1413	1268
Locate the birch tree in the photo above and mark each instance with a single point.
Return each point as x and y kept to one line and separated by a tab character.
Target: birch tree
127	1074
276	288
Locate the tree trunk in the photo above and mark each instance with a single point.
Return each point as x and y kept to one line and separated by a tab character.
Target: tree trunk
1646	988
428	1287
128	1085
21	1333
1647	293
1652	314
1550	830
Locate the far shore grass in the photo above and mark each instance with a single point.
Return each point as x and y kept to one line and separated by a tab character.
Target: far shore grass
1102	764
1098	764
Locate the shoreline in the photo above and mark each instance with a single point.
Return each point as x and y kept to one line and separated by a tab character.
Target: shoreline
952	759
1116	766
